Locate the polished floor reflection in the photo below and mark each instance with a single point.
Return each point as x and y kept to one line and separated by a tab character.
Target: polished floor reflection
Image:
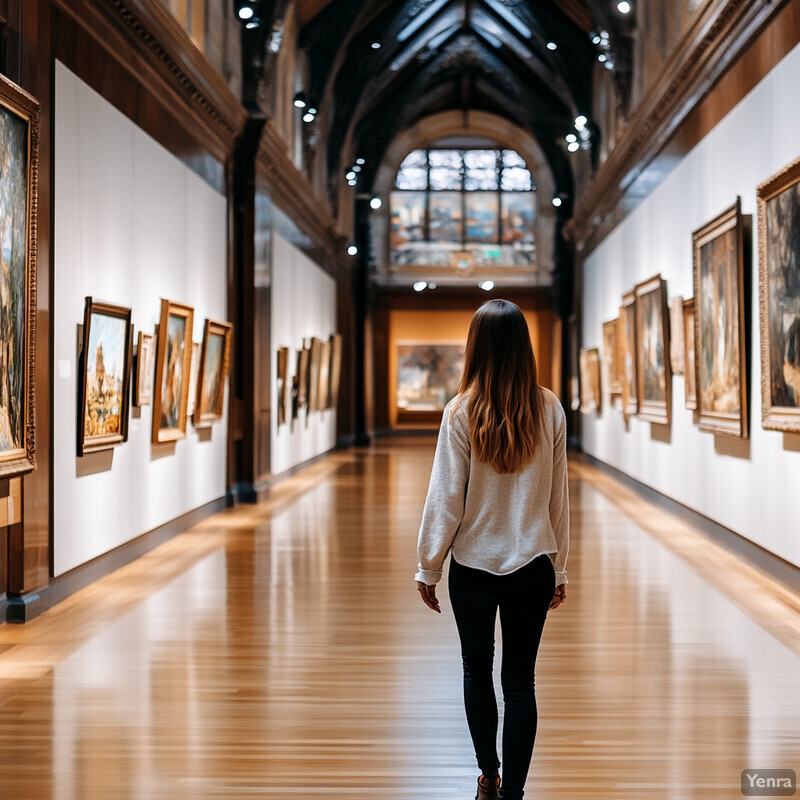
281	651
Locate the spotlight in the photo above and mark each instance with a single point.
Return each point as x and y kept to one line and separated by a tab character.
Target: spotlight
431	285
312	110
356	168
601	58
376	45
557	202
573	146
351	176
245	13
581	120
352	182
308	117
552	46
420	286
360	162
375	203
609	65
352	250
487	286
596	39
624	7
253	24
571	137
300	100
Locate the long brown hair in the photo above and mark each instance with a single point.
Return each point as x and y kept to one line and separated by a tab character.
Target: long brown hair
504	396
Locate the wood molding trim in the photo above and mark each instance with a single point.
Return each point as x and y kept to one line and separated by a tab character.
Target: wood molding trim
147	41
293	193
715	39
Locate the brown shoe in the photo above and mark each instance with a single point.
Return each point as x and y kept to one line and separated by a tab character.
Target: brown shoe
488	788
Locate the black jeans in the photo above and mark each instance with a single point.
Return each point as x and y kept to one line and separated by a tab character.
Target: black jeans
523	598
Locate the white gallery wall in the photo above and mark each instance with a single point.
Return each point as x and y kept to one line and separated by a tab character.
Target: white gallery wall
303	305
132	225
750	487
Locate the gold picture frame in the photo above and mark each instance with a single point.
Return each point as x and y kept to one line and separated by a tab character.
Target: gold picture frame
104	374
611	358
779	304
629	359
719	324
19	134
336	370
654	374
173	372
591	399
145	368
213	369
690	368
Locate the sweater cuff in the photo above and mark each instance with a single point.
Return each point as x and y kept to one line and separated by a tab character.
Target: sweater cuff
561	579
429	577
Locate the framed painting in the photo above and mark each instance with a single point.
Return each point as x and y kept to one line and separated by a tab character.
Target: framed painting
482	213
611	358
19	149
428	376
173	372
283	386
628	358
314	358
104	377
653	373
324	385
720	337
300	384
590	380
690	366
215	358
145	367
336	370
676	344
195	371
445	220
779	298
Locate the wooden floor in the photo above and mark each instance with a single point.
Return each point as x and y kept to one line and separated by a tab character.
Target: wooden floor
281	651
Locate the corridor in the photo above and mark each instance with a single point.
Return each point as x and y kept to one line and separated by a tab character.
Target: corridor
282	651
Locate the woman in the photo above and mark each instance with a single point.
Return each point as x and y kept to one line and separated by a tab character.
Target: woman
497	501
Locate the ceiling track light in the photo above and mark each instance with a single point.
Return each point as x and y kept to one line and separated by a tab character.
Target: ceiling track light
487	286
245	11
300	100
375	203
352	250
624	7
552	46
420	286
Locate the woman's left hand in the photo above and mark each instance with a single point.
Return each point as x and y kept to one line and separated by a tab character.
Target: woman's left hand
428	595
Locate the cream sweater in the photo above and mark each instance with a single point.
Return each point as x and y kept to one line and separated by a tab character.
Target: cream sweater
497	523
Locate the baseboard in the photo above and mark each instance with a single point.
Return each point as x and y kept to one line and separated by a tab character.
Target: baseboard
761	558
24	607
3	608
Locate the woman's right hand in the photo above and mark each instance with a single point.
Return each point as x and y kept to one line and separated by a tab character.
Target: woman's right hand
559	596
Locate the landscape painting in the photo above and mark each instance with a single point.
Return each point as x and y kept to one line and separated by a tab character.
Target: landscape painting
173	371
213	371
104	387
654	376
628	356
428	376
779	299
18	202
720	337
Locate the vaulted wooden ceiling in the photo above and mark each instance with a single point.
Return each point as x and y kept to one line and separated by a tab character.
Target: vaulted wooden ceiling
377	67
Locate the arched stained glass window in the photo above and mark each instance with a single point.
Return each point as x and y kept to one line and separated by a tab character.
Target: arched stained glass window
463	208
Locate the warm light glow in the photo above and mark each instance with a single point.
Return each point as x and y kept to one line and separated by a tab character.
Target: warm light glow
352	250
557	202
487	286
624	7
552	46
245	12
375	203
420	286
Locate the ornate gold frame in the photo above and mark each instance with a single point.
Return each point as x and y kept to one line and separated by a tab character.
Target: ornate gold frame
629	335
611	359
776	418
690	390
720	422
169	309
205	416
18	102
657	411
